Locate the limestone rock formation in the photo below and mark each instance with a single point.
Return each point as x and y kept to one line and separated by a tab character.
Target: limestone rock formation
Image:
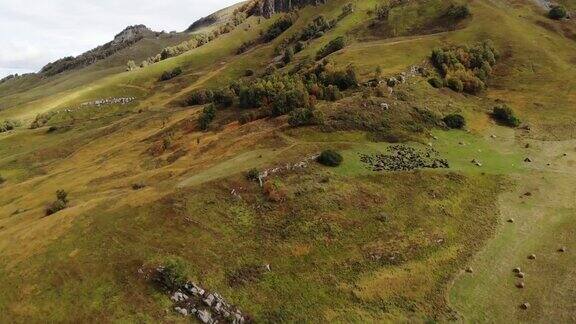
267	8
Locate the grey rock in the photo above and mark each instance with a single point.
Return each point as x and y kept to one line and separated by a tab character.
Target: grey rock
204	316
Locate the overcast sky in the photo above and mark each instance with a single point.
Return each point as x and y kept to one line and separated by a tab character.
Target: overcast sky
35	32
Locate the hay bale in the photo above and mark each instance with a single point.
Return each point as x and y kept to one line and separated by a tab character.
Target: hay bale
511	220
520	285
562	249
532	257
517	270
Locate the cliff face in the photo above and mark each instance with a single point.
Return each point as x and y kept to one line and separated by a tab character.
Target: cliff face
267	8
132	33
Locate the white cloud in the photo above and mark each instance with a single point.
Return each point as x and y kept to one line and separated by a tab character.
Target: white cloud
35	32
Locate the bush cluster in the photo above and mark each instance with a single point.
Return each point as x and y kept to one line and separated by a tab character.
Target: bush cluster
455	121
60	204
279	94
41	120
465	68
277	28
305	116
436	82
8	125
200	97
505	115
330	158
333	46
458	12
167	75
315	29
224	97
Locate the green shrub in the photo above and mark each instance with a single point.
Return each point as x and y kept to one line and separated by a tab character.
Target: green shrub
172	275
343	79
557	12
505	115
138	186
247	117
224	97
200	97
249	72
455	121
286	101
2	179
305	116
436	82
455	84
167	75
333	46
458	12
253	175
315	29
288	55
8	125
41	120
332	93
382	11
347	10
61	203
299	46
281	93
330	158
208	115
277	28
62	195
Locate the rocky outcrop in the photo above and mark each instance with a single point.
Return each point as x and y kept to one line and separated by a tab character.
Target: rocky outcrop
267	8
124	39
202	22
132	33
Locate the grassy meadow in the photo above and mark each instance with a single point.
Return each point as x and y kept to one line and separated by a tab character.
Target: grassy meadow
344	244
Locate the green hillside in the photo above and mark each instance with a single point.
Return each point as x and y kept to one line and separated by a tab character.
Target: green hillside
424	219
